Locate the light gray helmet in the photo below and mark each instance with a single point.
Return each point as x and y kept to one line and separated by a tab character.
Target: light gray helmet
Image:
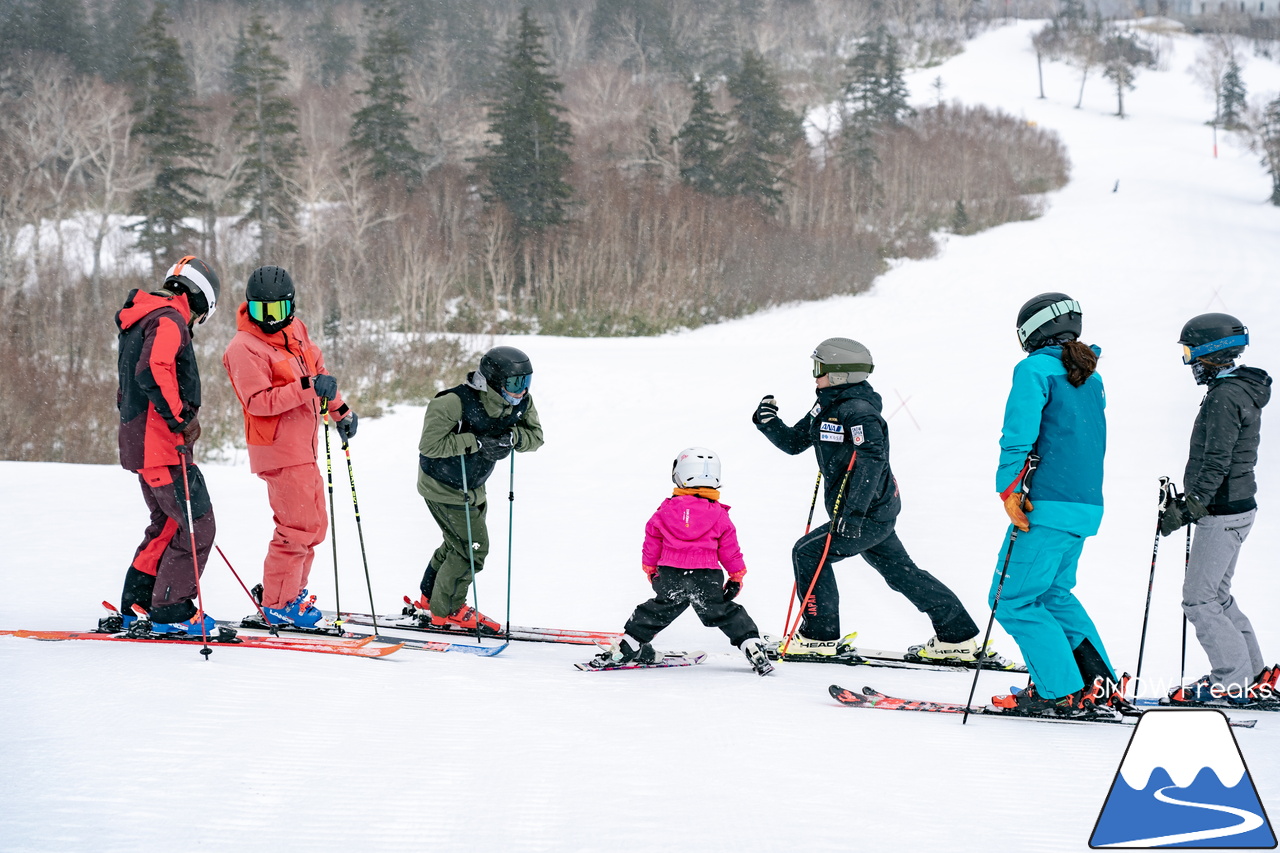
844	360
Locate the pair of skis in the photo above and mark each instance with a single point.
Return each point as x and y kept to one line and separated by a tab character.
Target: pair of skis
871	698
850	655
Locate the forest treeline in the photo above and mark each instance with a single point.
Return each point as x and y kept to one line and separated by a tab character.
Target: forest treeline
433	172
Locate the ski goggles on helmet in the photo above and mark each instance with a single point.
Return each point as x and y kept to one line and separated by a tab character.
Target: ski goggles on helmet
517	384
822	368
1190	354
1044	315
271	312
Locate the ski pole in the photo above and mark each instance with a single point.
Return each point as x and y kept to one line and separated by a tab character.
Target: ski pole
822	561
791	602
355	503
471	548
1028	469
333	522
511	518
183	451
1186	566
1165	496
274	629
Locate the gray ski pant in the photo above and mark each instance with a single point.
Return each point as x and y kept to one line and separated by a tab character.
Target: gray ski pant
1224	632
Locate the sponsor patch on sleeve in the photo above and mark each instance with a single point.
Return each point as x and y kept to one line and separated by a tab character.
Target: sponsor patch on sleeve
855	432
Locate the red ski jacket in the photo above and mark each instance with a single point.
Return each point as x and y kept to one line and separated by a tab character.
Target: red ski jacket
281	413
159	392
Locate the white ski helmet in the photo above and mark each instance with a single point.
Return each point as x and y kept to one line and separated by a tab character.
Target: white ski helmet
695	467
844	360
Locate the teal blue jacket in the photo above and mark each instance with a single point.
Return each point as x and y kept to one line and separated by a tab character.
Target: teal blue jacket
1067	427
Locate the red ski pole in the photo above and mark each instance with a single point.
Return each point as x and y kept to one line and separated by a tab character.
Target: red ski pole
822	561
791	602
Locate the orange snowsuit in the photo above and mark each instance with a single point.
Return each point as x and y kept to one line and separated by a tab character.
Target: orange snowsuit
271	375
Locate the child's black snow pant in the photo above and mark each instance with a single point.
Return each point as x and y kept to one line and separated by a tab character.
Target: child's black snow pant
675	590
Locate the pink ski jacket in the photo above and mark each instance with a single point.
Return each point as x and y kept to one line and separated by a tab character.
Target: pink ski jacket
690	532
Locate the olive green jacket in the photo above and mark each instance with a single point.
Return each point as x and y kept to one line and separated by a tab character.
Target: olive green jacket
439	439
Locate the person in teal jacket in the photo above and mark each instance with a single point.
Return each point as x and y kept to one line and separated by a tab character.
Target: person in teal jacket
1056	410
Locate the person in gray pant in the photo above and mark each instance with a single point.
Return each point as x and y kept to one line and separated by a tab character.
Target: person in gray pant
1218	498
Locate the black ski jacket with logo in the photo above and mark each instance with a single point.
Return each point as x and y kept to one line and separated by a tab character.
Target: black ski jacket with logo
844	420
1224	442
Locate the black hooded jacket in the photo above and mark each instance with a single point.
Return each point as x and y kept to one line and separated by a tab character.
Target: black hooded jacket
1224	442
846	419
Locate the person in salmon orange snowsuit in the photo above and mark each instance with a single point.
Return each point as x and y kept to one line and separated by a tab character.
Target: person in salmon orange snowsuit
159	400
279	377
686	542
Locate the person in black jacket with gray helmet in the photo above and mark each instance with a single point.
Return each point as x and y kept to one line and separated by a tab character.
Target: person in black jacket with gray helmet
1218	498
851	439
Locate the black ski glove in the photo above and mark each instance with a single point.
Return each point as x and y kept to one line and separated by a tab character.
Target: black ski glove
495	448
1193	509
347	427
766	411
1171	517
849	526
731	589
324	385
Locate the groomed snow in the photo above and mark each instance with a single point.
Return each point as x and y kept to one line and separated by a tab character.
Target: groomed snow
110	748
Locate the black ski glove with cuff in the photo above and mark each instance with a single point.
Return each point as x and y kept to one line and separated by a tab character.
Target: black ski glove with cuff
766	411
324	385
731	589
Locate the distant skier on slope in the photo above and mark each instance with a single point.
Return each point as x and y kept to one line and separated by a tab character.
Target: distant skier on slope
280	379
686	541
466	431
851	440
1055	409
1219	500
159	401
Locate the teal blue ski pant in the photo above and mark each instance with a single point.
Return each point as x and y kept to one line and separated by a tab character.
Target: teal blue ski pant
1040	611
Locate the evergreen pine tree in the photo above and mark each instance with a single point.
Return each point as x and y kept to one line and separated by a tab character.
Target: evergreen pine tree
1270	139
166	125
264	124
527	162
764	131
380	129
115	30
58	27
334	46
891	101
701	140
1234	97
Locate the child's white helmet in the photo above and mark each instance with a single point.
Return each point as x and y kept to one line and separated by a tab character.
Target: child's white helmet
695	467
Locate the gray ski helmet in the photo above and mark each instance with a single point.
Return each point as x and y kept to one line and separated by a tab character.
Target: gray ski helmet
1220	335
844	360
198	280
507	370
1047	318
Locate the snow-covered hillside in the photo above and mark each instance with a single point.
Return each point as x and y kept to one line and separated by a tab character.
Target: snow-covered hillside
108	747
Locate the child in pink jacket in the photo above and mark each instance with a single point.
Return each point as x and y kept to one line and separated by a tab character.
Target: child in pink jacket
685	543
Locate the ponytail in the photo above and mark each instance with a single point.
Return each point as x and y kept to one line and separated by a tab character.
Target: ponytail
1080	362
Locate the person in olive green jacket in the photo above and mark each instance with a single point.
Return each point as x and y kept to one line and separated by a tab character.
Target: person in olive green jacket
466	431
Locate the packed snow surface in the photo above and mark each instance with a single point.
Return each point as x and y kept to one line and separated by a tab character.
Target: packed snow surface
114	747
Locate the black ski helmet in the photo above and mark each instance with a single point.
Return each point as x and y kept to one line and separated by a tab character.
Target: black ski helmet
270	296
1046	318
1220	335
506	369
198	280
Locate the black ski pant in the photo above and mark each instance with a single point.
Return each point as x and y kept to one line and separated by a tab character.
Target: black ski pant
676	589
879	546
162	576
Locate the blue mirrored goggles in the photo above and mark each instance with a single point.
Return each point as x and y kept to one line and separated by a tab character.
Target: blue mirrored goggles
1190	354
517	384
271	312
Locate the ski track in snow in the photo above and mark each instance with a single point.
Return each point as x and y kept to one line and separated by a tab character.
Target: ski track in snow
111	748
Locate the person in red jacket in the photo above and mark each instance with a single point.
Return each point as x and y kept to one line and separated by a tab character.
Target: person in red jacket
159	400
279	377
